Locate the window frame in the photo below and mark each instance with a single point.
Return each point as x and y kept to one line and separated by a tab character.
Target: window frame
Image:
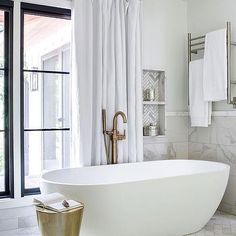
54	12
7	6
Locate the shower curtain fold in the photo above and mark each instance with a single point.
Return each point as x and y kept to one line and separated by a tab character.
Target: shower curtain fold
106	74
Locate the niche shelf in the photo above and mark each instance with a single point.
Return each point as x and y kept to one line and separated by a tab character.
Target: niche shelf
153	103
154	110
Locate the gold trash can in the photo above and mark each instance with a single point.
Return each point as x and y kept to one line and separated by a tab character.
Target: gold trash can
65	223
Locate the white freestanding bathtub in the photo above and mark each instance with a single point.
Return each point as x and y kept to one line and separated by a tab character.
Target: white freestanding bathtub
161	198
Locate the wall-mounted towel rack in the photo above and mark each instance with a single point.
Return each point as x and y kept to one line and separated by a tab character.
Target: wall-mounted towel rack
197	44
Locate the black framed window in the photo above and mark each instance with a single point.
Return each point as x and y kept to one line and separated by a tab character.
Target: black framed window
6	135
45	78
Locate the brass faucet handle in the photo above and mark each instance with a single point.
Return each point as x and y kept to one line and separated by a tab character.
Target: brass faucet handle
121	136
109	133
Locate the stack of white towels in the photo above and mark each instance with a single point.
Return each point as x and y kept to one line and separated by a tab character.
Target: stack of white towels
208	79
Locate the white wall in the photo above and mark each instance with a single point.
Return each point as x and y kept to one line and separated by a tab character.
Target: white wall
210	15
165	46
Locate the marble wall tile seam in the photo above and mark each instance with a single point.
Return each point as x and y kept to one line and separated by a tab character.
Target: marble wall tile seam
214	113
203	143
211	143
164	142
198	142
219	146
177	113
225	141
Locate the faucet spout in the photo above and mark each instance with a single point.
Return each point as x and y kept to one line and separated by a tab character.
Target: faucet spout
116	136
115	119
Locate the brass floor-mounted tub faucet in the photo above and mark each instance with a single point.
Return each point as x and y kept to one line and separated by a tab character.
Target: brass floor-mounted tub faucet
114	135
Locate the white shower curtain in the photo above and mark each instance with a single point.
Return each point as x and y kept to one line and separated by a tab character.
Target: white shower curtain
106	74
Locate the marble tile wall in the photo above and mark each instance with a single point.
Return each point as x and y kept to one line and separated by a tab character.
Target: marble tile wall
218	143
215	143
175	143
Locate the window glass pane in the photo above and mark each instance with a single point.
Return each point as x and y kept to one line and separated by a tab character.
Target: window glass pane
66	59
2	100
42	37
44	151
46	100
2	39
46	95
2	162
4	113
2	76
2	133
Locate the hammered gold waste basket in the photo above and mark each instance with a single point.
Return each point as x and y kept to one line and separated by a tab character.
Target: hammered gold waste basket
65	223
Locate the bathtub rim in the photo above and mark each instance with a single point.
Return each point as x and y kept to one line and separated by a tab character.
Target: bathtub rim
225	167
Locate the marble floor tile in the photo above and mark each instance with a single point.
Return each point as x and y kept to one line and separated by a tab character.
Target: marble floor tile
221	224
22	232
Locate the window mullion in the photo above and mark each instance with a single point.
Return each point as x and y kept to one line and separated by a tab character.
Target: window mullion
17	100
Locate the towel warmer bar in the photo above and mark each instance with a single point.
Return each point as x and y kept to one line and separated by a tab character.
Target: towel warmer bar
197	44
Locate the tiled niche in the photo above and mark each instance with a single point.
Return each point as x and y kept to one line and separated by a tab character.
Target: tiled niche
154	108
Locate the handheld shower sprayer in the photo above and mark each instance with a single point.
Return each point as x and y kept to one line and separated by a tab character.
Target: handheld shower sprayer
104	130
104	121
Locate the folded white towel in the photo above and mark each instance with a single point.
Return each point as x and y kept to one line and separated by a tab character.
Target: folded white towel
215	66
200	110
